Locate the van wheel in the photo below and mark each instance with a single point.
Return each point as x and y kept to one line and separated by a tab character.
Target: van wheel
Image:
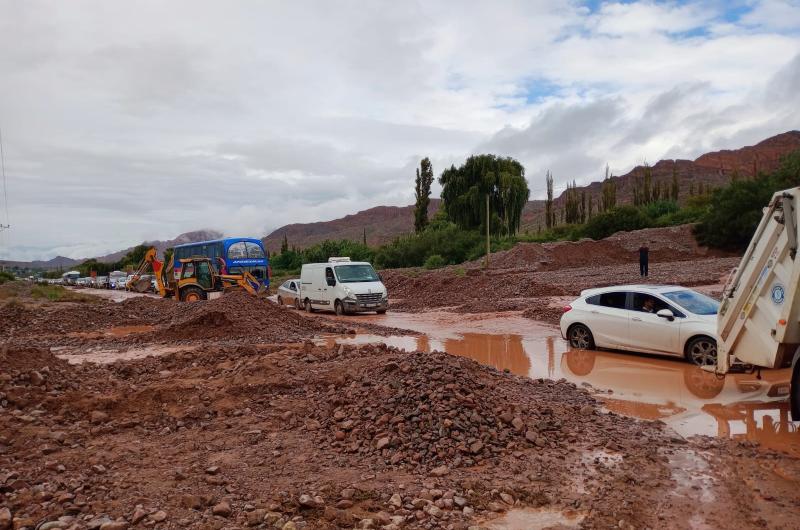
192	294
580	337
309	309
339	308
702	351
381	311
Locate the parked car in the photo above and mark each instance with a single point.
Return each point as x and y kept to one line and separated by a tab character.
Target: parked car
289	293
343	286
121	282
662	319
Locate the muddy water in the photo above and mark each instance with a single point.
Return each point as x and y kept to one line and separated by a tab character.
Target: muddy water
691	401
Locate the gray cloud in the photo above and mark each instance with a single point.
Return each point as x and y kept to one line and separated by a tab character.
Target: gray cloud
130	121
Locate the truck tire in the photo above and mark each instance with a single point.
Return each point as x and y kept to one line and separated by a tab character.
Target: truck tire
192	294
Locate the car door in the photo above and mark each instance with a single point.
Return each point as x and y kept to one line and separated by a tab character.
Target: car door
292	293
649	332
609	318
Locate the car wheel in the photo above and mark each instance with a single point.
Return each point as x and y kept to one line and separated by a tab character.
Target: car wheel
381	311
297	304
702	351
339	308
309	309
280	300
580	337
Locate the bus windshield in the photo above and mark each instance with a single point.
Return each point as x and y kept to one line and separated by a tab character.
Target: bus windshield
356	273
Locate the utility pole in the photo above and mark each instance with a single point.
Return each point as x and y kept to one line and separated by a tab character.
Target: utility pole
488	240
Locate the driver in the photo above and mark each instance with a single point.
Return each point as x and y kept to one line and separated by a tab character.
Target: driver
649	305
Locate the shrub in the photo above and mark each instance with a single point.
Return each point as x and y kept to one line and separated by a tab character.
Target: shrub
657	209
434	261
448	241
6	277
615	220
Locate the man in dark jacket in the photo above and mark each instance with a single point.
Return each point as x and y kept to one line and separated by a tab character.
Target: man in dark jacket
643	259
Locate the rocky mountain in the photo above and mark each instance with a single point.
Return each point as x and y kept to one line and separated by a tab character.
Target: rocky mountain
50	264
67	263
384	223
188	237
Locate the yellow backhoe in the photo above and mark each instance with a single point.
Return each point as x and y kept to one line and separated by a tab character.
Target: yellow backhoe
199	279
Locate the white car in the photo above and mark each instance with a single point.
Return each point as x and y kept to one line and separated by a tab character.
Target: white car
343	286
661	319
289	293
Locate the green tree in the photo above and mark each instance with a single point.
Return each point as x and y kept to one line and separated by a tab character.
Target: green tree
465	189
617	219
422	192
676	187
549	215
609	192
284	243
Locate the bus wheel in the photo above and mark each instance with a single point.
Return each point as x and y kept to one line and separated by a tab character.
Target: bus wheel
192	294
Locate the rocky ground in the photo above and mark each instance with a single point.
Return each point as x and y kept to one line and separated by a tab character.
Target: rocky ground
532	277
245	422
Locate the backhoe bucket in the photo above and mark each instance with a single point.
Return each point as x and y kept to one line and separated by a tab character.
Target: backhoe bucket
140	285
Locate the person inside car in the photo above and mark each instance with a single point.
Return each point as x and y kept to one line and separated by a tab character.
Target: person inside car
649	305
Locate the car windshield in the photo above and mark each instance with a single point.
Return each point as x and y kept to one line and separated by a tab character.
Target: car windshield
694	302
356	273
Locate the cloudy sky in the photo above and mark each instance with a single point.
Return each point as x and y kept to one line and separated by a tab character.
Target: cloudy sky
126	121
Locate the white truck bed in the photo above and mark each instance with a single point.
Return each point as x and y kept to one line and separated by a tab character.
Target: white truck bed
759	317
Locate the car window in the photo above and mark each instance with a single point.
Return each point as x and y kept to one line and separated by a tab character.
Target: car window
285	284
292	286
614	299
648	303
593	300
697	303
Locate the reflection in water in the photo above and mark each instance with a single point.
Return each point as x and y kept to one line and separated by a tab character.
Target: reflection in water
688	399
504	352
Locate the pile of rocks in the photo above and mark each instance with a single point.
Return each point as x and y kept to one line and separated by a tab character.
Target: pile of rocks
437	411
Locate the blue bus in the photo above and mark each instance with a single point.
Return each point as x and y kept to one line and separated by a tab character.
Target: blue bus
231	255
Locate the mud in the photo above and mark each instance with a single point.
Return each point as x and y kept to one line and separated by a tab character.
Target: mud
238	413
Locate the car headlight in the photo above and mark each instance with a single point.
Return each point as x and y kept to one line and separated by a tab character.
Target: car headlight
348	292
385	295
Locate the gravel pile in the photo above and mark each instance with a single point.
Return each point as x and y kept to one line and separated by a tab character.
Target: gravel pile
438	411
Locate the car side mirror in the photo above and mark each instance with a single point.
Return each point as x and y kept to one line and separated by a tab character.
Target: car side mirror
331	282
666	313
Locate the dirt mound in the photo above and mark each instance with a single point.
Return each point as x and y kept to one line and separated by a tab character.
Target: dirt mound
673	243
435	409
239	315
544	313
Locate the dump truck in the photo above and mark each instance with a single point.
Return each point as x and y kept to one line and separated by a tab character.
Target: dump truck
759	316
198	280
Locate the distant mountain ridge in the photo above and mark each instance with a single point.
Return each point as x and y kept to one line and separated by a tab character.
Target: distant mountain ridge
384	223
67	263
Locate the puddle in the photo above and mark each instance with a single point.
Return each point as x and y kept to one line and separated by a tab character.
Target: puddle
106	356
535	519
691	401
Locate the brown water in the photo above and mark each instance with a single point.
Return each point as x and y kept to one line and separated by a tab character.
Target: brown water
689	400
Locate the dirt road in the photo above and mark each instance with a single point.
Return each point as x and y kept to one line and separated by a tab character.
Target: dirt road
238	413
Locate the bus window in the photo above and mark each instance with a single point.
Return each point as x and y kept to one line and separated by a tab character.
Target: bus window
254	251
237	251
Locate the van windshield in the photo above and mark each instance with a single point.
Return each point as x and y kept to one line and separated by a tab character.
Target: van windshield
356	273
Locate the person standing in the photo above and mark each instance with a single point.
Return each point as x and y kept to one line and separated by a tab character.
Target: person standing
644	258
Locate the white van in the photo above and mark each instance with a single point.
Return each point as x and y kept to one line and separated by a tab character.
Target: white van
343	286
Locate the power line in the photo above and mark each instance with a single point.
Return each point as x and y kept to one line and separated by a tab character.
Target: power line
5	186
